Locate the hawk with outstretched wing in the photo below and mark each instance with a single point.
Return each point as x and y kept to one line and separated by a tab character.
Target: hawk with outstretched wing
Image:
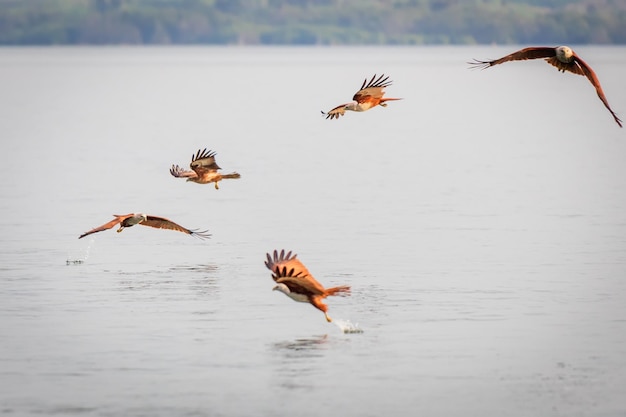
204	169
563	58
129	220
370	95
294	280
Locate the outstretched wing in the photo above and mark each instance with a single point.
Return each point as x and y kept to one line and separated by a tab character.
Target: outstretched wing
533	52
287	269
163	223
179	172
372	89
591	76
336	112
117	220
204	161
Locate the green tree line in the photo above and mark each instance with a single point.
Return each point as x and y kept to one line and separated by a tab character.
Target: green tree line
312	22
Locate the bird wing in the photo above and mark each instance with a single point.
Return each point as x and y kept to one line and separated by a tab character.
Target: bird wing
573	67
336	112
372	89
533	52
203	162
117	220
305	285
163	223
179	172
287	269
284	264
592	77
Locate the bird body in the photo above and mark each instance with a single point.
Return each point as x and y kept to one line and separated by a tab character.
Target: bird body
301	298
370	95
295	281
561	57
204	169
132	219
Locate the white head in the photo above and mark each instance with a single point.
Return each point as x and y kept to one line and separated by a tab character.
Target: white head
564	53
353	106
282	288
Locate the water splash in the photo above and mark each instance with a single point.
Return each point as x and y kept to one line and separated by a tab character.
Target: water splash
80	259
346	326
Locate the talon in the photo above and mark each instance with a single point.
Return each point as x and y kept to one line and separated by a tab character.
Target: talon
328	319
216	186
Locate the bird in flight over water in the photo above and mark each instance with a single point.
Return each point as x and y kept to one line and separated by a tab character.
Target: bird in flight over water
295	281
129	220
563	58
370	95
204	169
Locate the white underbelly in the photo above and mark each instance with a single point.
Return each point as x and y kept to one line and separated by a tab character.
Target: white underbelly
363	106
298	297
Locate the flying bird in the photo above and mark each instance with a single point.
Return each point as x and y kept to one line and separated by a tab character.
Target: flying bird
563	58
370	95
295	281
129	220
204	169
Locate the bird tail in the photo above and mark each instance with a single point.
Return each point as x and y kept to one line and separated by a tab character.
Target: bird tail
342	290
382	100
232	175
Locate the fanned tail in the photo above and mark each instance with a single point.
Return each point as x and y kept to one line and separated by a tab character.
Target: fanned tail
342	290
232	175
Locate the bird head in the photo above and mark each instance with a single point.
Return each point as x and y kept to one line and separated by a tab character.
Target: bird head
282	288
142	217
564	53
353	105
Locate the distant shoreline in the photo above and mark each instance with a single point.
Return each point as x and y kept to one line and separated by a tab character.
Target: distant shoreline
312	22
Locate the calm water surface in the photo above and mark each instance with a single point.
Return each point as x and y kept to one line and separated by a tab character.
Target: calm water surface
481	222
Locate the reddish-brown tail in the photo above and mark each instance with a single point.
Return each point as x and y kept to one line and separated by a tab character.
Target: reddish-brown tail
341	290
231	175
382	100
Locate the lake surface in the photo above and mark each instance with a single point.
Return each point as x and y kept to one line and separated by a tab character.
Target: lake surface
481	222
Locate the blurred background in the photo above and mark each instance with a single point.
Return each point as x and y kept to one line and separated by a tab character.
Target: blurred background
312	22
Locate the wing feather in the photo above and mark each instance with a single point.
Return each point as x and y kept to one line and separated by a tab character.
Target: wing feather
117	220
179	172
301	286
374	88
163	223
336	112
287	269
593	78
533	52
204	161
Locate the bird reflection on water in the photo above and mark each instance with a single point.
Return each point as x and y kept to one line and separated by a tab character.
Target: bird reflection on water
302	348
292	371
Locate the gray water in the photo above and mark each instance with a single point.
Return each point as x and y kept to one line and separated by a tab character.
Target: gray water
481	222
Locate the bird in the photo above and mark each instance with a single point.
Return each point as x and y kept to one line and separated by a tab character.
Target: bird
370	95
129	220
204	169
562	57
295	281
